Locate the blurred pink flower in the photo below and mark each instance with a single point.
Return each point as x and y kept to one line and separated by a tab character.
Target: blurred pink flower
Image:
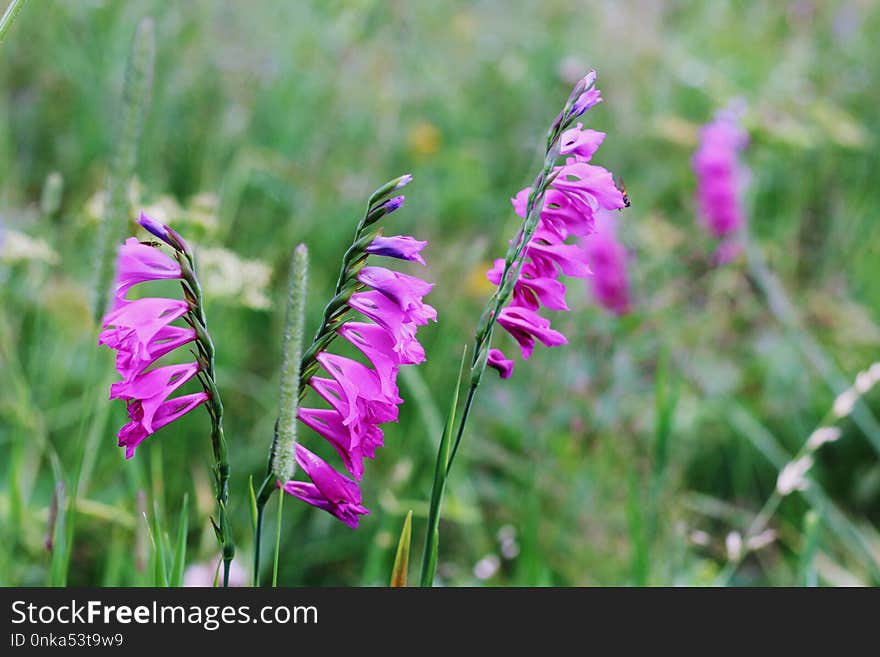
720	181
609	283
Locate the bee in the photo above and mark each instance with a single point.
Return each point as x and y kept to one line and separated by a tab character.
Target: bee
151	243
621	187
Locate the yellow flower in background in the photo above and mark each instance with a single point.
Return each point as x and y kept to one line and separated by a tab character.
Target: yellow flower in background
476	284
423	138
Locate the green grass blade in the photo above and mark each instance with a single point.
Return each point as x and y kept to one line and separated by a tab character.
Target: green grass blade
432	538
179	561
9	17
278	520
252	500
401	559
60	539
135	102
634	514
806	570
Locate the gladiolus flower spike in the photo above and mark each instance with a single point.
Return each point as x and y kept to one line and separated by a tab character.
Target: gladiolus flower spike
561	203
360	395
141	333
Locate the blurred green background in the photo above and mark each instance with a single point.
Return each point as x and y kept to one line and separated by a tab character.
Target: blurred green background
637	454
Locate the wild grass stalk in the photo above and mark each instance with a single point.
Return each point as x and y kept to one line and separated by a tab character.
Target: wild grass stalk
744	423
787	315
9	17
281	464
136	93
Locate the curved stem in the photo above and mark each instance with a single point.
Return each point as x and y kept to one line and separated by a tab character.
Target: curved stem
9	17
263	496
277	540
193	293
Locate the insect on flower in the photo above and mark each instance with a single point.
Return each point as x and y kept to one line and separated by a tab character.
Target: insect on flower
621	187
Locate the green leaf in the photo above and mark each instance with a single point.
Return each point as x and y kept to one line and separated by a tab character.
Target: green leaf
179	560
401	560
432	538
9	17
806	569
252	498
160	551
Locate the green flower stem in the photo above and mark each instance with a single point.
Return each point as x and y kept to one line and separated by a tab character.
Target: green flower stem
277	541
197	319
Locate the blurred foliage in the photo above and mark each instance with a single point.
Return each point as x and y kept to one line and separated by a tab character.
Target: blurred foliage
626	457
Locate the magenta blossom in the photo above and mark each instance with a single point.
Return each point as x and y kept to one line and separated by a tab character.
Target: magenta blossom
138	263
140	331
578	193
361	396
525	325
330	491
402	247
609	283
497	361
720	181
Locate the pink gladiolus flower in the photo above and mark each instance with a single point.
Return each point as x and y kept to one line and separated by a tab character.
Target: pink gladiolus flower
140	332
525	325
329	491
133	434
497	361
578	193
401	325
402	247
133	361
405	291
151	389
589	97
720	180
532	290
363	397
607	257
580	143
138	263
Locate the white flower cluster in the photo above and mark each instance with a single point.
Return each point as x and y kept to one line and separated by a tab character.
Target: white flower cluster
19	247
225	275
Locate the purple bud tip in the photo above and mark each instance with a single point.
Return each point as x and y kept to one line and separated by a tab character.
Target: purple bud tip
154	227
392	204
589	79
403	181
588	97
